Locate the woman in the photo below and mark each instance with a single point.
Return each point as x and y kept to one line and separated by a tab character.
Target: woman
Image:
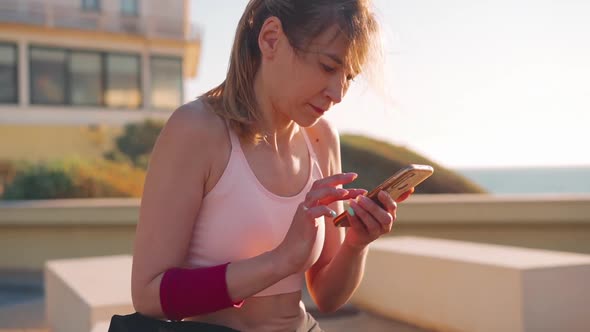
244	181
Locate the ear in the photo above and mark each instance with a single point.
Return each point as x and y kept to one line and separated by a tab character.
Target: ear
270	33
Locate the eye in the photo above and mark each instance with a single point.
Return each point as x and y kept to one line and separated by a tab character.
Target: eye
327	68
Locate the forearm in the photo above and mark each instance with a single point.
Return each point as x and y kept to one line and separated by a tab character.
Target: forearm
335	283
178	293
250	276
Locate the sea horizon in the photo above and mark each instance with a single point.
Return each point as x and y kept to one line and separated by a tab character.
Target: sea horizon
530	180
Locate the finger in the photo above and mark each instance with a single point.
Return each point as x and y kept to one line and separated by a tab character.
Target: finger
382	216
405	195
334	180
325	196
354	221
353	193
372	226
388	203
317	211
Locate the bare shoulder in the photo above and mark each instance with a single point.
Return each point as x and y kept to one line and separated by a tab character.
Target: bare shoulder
325	140
193	141
194	122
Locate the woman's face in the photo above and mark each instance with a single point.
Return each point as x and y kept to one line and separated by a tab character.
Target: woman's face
304	85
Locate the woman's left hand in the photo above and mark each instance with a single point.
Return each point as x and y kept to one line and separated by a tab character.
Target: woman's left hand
370	221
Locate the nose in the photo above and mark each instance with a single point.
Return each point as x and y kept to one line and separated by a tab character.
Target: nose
336	89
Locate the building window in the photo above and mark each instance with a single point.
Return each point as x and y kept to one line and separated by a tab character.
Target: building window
166	82
122	84
8	74
129	8
48	76
91	5
86	79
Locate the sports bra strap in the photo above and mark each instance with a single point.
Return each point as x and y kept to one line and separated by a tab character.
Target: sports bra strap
235	141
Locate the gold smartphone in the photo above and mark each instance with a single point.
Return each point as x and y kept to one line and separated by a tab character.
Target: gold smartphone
396	185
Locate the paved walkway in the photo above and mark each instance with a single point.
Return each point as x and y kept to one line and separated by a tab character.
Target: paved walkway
351	319
364	321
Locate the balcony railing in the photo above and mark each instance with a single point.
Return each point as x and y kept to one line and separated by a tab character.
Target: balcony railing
47	14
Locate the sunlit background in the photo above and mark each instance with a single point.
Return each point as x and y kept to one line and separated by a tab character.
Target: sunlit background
476	84
495	94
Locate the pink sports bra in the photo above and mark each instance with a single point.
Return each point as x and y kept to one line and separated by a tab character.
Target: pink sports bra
239	218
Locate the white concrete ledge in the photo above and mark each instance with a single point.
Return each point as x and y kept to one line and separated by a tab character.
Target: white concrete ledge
67	212
460	286
419	209
68	115
54	229
477	209
101	327
82	294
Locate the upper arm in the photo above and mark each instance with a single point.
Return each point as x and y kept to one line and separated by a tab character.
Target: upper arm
173	190
327	148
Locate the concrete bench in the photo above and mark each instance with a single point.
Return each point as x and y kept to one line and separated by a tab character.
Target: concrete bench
462	286
434	284
82	294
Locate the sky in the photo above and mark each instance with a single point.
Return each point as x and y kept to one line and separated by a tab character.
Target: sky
474	83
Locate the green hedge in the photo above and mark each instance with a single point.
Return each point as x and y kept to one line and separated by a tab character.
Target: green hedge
136	143
74	178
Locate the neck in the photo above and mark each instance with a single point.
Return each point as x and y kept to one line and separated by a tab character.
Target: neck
277	130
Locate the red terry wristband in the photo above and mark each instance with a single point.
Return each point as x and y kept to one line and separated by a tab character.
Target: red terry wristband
190	292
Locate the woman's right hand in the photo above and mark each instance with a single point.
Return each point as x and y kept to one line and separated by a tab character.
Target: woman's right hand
295	249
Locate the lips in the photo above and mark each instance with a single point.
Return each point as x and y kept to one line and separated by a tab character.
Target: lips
318	110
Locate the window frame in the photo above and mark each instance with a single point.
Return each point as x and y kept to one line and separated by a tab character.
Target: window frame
181	72
66	75
96	9
129	14
103	74
139	79
16	81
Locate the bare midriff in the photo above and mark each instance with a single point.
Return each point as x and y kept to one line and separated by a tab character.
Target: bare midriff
281	312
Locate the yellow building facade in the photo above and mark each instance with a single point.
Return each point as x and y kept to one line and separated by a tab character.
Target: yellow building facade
73	72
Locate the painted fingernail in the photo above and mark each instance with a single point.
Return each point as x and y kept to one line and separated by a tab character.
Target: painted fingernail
350	211
332	213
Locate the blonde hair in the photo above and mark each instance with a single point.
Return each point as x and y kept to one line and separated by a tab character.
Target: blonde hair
302	21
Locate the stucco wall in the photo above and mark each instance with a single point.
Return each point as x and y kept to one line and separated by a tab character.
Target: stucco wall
36	231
